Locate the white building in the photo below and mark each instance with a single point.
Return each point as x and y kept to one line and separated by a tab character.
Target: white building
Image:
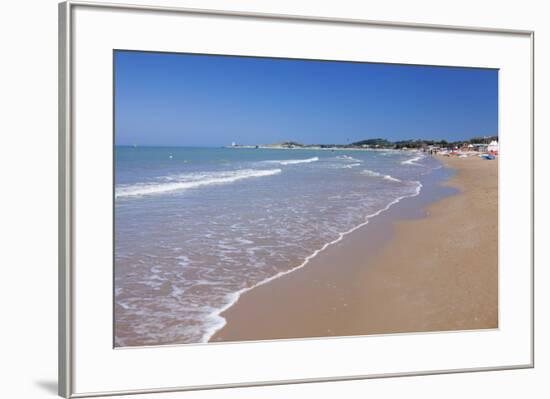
493	146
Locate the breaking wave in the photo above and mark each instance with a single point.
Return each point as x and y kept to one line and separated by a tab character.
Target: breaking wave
413	161
190	181
376	174
293	161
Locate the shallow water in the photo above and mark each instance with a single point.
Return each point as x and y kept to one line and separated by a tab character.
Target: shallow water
194	227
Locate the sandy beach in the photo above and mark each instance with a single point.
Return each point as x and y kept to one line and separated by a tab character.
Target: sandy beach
408	270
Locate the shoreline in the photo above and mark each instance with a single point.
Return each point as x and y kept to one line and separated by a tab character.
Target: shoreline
218	314
312	300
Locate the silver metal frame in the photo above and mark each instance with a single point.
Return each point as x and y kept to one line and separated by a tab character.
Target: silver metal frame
66	186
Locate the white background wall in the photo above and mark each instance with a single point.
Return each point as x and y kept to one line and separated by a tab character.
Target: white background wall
28	197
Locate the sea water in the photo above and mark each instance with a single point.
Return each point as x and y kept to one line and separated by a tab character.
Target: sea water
197	227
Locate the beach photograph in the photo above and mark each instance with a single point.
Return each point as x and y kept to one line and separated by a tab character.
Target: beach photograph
260	198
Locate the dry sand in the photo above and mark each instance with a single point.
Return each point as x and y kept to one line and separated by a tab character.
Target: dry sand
434	273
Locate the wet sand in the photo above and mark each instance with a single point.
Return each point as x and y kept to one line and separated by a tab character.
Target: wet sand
421	266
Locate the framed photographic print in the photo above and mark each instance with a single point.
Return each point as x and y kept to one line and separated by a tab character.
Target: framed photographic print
254	199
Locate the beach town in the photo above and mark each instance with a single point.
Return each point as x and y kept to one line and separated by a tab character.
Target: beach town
486	147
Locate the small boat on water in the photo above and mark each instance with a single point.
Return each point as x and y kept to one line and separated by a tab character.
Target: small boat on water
487	156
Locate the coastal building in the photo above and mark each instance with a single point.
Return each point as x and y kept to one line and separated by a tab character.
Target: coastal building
480	147
493	146
467	147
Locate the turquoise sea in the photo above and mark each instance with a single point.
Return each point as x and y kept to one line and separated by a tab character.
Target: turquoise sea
197	227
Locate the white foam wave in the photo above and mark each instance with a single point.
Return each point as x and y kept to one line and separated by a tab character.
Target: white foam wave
376	174
183	260
190	181
348	158
217	321
413	161
390	178
351	165
293	161
370	173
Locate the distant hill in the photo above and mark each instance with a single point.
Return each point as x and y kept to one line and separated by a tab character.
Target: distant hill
373	143
284	144
384	143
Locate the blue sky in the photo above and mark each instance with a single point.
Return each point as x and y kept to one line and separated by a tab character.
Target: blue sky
201	100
